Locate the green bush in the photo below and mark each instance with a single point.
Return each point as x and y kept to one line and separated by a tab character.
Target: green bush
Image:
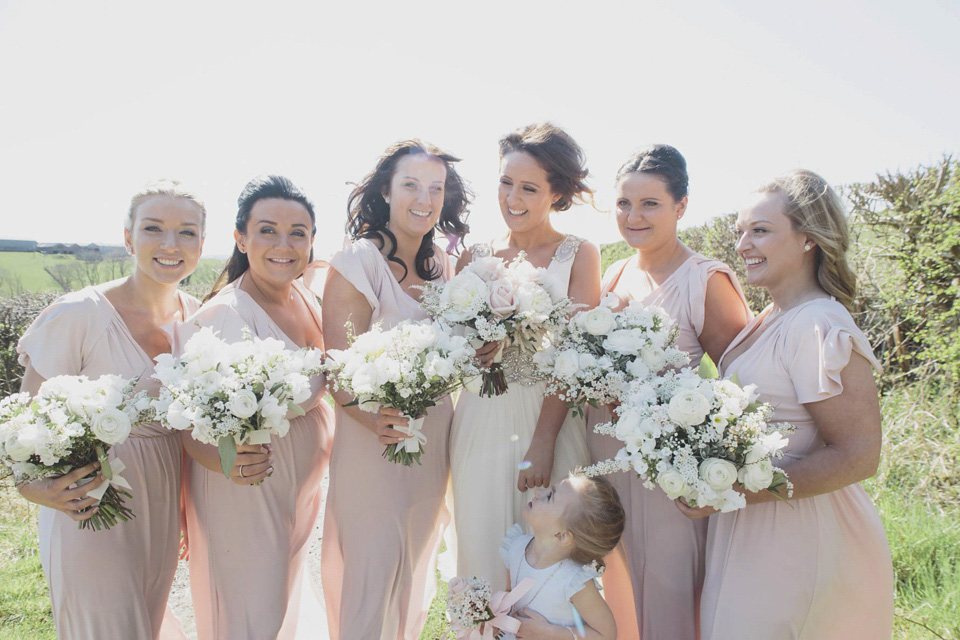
16	314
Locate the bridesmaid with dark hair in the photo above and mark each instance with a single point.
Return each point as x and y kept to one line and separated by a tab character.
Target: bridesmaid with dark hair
654	586
248	543
383	520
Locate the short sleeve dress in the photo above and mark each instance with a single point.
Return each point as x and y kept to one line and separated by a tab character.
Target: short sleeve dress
554	585
664	549
383	521
814	568
248	544
112	583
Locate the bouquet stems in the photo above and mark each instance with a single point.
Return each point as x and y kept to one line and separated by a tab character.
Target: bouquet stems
494	381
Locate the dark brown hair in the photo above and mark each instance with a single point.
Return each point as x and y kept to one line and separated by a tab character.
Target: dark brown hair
559	155
368	213
663	161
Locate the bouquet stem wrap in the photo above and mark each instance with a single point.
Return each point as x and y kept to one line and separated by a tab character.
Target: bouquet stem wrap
501	620
408	450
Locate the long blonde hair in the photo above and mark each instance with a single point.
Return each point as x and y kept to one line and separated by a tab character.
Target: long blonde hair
815	210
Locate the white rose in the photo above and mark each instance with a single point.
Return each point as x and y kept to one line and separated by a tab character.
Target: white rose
488	268
567	364
22	445
111	426
463	296
503	297
719	474
623	341
688	408
672	483
242	403
757	476
654	358
598	321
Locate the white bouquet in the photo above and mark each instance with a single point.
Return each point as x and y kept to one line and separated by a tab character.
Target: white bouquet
232	393
476	613
698	437
601	352
71	422
494	301
408	367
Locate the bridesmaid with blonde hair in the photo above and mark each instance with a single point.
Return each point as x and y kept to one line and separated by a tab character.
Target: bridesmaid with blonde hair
816	566
503	446
249	533
653	580
383	520
115	583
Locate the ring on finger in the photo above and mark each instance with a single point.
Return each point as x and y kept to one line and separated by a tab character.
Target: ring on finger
241	471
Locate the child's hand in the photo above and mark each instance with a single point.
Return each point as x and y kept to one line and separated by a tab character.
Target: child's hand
533	626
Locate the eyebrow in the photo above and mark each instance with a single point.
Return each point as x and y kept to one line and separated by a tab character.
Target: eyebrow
187	224
296	224
418	179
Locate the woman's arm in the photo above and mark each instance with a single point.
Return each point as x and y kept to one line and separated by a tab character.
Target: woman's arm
598	622
344	306
585	290
724	316
56	493
253	464
849	424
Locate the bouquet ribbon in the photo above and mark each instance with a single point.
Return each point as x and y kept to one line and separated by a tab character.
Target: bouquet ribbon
414	444
259	436
117	481
500	605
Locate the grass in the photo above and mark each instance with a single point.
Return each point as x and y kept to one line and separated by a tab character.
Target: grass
917	491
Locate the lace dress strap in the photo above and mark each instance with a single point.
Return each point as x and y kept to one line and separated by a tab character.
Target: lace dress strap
567	249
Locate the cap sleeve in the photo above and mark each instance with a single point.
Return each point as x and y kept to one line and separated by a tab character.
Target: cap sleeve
580	576
819	342
512	545
358	263
698	299
60	339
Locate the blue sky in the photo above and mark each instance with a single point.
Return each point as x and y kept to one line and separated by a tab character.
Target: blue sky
99	97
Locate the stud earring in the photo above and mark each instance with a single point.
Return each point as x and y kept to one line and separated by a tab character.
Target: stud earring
386	199
806	247
129	251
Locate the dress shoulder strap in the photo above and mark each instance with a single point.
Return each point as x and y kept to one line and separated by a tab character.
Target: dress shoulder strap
567	249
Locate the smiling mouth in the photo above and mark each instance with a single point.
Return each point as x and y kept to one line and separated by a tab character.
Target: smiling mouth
421	214
639	228
169	262
752	262
516	212
283	261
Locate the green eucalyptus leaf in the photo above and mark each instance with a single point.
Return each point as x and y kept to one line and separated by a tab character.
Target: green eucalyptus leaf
228	454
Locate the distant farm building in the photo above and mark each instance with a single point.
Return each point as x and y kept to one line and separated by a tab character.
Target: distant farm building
18	245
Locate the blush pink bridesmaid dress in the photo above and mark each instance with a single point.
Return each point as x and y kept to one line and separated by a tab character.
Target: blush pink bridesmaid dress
248	545
115	583
383	521
815	568
663	550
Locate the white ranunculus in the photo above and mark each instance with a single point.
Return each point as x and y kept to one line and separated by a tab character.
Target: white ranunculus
567	364
463	296
757	476
598	321
719	474
672	483
242	403
111	426
21	445
623	341
653	358
688	408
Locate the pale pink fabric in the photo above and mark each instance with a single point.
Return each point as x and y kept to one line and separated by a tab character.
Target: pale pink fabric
110	584
489	439
816	568
248	545
383	521
664	549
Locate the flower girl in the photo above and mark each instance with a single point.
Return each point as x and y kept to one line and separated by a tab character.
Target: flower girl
575	523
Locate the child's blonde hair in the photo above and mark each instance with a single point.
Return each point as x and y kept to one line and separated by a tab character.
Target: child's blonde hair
596	521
